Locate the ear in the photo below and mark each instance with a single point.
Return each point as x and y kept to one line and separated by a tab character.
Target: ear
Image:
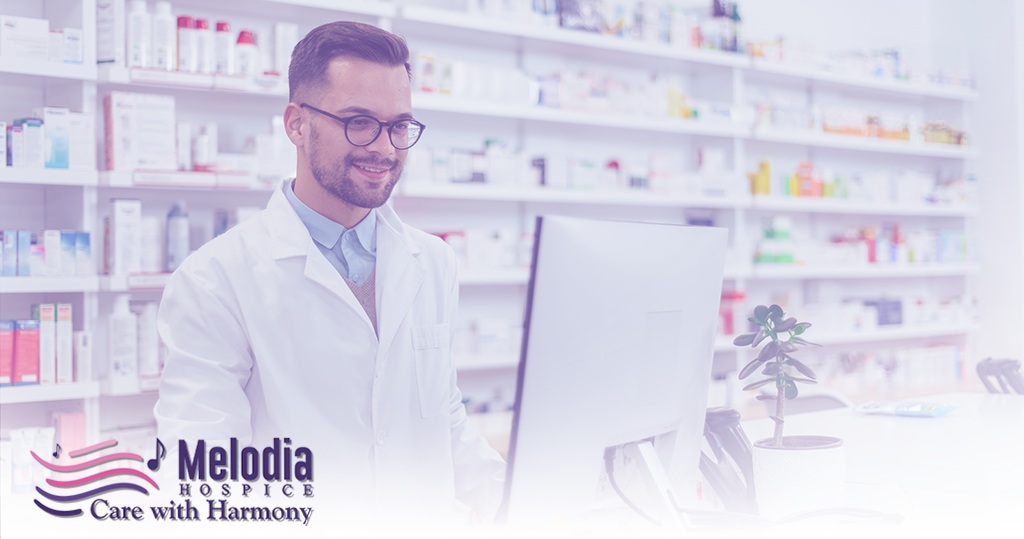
294	124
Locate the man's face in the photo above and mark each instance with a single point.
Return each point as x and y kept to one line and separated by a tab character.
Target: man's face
360	176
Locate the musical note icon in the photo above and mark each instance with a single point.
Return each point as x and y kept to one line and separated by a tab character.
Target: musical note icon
56	454
161	452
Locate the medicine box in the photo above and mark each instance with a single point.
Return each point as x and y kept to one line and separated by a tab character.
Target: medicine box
24	38
26	352
56	135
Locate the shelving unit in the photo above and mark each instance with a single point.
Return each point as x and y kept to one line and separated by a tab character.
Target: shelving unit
435	206
46	393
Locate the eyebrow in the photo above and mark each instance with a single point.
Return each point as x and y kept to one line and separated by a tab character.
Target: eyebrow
368	112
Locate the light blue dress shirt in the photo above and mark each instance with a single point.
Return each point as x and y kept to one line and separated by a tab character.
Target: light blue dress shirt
353	251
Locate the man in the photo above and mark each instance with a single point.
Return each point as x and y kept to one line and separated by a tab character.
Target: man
325	319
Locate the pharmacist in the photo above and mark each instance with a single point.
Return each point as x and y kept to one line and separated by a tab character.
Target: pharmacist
327	320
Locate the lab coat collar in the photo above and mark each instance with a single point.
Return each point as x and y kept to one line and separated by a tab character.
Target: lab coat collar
399	274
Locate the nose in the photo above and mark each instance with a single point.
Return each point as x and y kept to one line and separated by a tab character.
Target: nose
382	146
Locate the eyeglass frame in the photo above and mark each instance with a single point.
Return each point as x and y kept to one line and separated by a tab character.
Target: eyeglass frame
380	128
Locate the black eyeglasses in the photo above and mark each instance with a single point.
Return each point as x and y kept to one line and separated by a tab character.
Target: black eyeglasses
363	130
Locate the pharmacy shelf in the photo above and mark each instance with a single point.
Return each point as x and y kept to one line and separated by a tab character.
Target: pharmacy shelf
845	142
48	392
847	81
491	192
290	10
375	8
892	333
481	362
495	277
483	26
20	66
452	105
133	282
48	176
836	206
723	343
780	271
274	87
32	285
194	181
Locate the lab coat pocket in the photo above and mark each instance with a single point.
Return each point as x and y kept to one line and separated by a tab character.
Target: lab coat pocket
432	347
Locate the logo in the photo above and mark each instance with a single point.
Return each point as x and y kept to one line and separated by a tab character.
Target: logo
233	483
65	497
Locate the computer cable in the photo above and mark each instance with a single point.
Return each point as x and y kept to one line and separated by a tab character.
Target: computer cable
609	467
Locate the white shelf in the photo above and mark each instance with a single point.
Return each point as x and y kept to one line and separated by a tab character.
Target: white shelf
479	362
199	181
463	21
135	281
276	87
836	206
495	277
887	85
491	192
374	8
35	68
844	142
48	176
782	271
9	285
891	333
48	392
448	104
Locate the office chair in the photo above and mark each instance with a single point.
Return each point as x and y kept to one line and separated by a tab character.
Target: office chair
1005	371
729	469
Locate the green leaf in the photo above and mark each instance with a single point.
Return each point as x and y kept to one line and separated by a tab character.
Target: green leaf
788	346
758	384
791	390
764	397
803	380
785	325
761	336
771	369
760	314
750	368
775	313
800	328
745	339
799	366
769	351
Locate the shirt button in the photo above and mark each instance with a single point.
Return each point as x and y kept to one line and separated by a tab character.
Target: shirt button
355	276
381	438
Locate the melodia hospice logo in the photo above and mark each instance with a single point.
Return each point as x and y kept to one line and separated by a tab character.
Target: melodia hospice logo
101	470
233	483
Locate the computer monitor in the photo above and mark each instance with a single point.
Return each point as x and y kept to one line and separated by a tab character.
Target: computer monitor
617	348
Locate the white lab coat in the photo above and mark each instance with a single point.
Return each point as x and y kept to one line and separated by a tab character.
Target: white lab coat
266	340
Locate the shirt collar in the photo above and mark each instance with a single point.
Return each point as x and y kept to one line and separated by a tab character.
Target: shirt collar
327	232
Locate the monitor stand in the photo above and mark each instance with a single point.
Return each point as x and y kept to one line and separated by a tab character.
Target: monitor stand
658	484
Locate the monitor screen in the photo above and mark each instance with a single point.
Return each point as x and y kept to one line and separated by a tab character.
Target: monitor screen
617	347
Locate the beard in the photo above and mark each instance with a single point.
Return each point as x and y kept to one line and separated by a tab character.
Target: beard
336	178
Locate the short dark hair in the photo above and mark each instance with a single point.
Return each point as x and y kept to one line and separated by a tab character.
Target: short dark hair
326	42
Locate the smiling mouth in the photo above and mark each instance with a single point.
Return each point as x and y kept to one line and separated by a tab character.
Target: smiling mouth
372	169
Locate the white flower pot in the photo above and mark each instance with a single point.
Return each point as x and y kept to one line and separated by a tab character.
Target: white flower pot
807	473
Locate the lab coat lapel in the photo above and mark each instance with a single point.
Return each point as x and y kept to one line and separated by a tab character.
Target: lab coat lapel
399	276
289	237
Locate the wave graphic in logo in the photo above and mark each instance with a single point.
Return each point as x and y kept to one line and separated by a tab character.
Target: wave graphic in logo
98	477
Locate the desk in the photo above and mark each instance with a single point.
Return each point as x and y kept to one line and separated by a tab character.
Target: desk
962	472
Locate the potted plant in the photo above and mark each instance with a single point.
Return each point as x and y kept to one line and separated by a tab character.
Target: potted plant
798	472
